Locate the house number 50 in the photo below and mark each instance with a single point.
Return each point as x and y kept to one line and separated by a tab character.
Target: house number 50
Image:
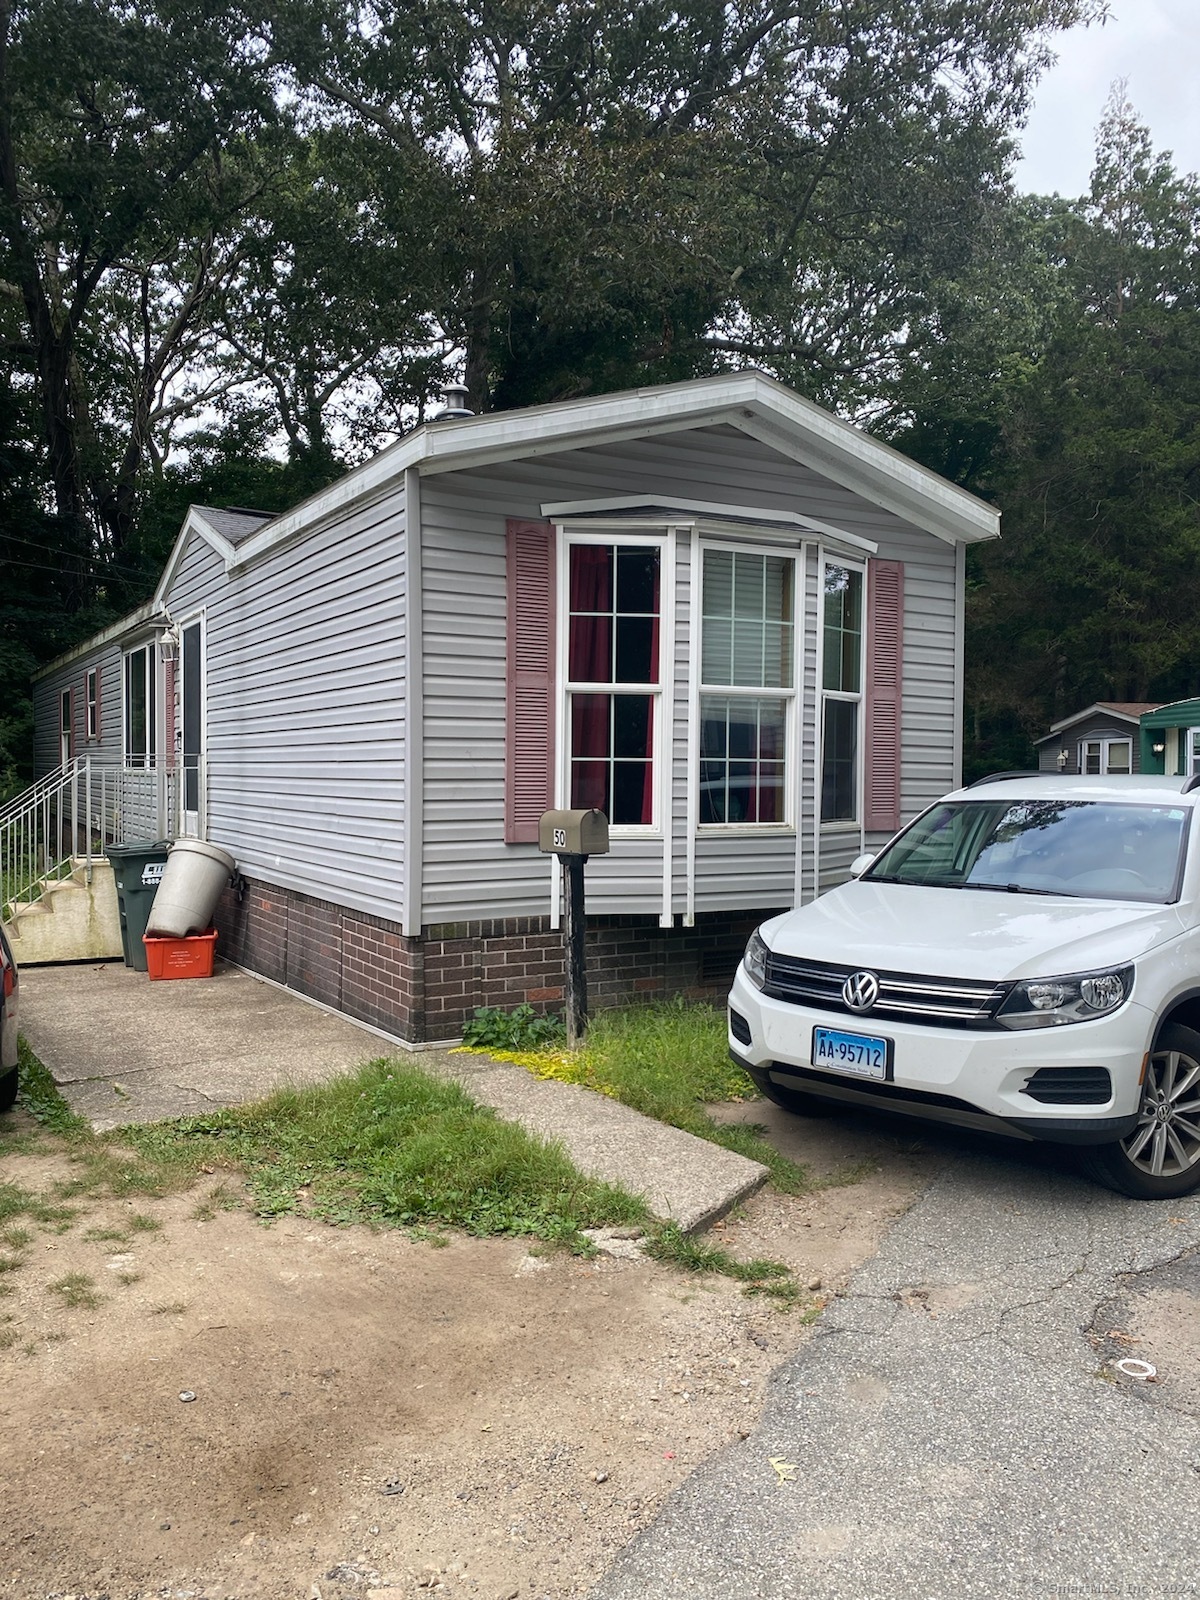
560	838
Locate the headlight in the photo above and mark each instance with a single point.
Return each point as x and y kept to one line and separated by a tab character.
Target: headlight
1050	1002
754	962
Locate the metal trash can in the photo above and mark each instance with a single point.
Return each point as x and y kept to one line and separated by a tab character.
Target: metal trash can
138	868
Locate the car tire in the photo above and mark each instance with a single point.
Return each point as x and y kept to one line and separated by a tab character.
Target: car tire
8	1090
796	1101
1160	1159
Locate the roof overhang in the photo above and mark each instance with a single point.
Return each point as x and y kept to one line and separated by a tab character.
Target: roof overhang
1096	710
116	633
706	514
194	523
755	404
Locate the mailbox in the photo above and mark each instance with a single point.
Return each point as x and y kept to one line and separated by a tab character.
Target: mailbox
573	833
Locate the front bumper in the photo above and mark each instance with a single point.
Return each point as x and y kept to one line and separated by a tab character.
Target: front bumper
973	1078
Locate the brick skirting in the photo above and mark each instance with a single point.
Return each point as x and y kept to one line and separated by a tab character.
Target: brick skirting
426	989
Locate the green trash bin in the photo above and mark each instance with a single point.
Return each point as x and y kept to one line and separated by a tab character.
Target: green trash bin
137	868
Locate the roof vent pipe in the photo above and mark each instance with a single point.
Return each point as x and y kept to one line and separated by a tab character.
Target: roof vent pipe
455	397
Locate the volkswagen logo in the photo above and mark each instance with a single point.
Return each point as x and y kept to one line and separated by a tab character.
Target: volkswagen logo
860	991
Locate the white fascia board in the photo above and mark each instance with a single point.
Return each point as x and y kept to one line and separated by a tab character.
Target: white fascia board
749	518
1096	710
881	475
194	523
113	634
752	401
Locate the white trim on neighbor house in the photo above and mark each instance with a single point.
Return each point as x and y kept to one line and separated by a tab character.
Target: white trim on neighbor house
1099	709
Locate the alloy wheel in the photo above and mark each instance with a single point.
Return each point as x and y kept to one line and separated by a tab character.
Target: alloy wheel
1166	1141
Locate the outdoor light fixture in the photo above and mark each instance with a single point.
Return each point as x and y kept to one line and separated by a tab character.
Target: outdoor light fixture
1062	759
168	643
1158	748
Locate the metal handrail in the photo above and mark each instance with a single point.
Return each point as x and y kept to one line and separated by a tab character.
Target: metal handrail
69	817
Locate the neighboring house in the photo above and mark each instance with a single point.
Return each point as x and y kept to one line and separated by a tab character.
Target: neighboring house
1170	738
1102	740
729	620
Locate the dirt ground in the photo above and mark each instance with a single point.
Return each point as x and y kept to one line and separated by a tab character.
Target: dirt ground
302	1412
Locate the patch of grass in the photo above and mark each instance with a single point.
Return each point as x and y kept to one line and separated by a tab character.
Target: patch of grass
8	1337
16	1201
175	1309
771	1279
668	1061
77	1289
391	1144
106	1235
15	1238
10	1263
39	1095
126	1279
140	1223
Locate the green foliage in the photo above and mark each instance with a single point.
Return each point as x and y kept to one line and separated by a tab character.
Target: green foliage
771	1279
522	1028
391	1144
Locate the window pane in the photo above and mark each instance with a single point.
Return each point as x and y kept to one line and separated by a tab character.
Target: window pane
741	760
747	629
842	666
136	719
631	725
589	786
637	650
637	579
631	793
1091	758
590	734
1119	756
614	604
839	776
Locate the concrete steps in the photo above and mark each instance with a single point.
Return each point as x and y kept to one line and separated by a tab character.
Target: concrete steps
74	920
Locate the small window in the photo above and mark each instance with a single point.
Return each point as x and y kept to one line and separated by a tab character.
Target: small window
93	703
841	683
613	678
1100	757
747	672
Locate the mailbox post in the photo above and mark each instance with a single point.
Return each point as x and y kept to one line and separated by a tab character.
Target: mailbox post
573	836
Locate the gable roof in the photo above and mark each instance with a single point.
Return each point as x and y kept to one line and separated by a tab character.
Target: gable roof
752	402
1122	710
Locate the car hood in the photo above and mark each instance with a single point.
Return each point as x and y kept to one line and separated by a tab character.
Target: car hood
969	933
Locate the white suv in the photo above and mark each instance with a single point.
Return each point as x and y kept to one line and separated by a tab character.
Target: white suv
1024	957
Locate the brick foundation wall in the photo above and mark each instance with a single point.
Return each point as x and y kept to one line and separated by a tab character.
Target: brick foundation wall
426	989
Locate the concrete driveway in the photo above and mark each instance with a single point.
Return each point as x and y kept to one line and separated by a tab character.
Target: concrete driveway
124	1049
958	1428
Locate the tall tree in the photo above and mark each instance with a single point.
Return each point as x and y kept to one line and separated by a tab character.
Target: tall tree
124	155
1089	594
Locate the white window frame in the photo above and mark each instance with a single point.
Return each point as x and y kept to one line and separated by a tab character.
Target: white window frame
1106	742
663	693
790	696
151	755
91	703
855	824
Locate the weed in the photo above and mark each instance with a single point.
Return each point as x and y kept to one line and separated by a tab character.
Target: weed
9	1263
40	1097
106	1235
15	1238
8	1337
140	1223
125	1279
520	1029
176	1308
769	1279
77	1289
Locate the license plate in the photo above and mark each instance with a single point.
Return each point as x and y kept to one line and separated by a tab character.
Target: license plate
859	1054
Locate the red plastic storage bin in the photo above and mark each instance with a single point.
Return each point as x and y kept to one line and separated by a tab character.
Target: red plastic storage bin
181	958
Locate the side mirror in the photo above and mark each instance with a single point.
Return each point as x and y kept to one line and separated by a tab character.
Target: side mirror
860	864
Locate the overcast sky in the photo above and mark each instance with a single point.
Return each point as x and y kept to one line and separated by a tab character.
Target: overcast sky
1155	44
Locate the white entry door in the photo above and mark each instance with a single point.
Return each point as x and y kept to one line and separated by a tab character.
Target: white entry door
191	726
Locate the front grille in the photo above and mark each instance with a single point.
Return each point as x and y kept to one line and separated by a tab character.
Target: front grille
1070	1086
903	996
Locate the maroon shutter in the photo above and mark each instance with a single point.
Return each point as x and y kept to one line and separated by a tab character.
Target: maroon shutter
885	651
529	758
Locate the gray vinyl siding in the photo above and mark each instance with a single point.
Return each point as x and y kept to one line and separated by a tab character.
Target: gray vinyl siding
305	707
108	749
467	870
1097	727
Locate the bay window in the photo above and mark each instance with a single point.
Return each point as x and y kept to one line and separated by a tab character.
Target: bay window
841	692
747	684
614	677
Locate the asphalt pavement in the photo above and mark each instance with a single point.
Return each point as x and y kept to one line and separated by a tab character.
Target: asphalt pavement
958	1427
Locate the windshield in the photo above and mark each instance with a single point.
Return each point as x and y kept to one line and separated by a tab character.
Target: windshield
1093	849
